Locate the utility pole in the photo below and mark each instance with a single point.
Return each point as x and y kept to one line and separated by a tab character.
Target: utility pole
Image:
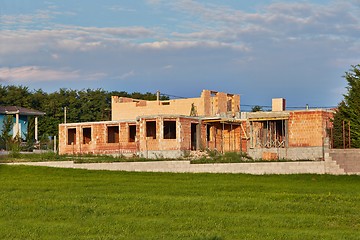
65	115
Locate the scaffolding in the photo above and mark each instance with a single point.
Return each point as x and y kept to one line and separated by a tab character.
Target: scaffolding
269	133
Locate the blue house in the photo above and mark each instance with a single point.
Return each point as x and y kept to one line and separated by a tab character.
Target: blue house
20	119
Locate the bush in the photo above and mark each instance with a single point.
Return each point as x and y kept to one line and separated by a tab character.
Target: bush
213	156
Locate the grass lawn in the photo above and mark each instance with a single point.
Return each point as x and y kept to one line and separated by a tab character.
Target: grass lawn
50	203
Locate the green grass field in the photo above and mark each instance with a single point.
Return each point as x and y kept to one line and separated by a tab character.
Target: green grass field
50	203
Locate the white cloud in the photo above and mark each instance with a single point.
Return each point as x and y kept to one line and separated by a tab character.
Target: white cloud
40	74
127	75
277	46
118	8
168	67
281	19
67	38
176	45
55	56
24	18
153	2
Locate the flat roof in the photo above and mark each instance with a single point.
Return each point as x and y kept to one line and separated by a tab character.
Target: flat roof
11	110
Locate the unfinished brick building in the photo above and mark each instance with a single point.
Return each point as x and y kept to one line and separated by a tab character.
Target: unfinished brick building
159	128
300	134
170	128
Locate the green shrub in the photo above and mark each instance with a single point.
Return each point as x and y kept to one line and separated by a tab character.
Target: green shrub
228	157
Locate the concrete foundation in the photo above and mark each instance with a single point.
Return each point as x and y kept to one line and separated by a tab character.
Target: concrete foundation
169	154
315	167
293	153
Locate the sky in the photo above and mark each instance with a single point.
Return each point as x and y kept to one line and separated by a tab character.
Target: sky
297	50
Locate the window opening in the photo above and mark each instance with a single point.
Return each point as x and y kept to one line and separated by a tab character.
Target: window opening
151	129
113	134
229	104
132	133
169	129
269	134
86	135
208	133
193	136
71	136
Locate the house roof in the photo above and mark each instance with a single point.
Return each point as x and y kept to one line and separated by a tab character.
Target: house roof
10	110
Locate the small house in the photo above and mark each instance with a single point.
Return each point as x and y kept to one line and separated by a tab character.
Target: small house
20	120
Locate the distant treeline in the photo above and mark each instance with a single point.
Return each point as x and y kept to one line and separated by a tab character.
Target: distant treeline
85	105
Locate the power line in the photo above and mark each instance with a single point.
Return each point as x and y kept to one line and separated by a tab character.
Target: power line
288	107
172	96
263	106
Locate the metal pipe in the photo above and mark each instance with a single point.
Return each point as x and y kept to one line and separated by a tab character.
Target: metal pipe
222	138
349	136
343	128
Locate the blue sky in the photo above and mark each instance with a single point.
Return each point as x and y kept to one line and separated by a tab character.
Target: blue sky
263	49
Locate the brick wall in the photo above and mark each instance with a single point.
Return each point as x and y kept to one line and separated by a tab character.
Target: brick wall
130	110
183	134
225	138
206	105
306	133
99	139
308	128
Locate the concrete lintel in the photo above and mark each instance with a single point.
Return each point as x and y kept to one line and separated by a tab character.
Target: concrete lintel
94	123
166	116
255	116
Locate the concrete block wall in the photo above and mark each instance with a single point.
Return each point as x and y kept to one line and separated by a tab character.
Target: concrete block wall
347	159
156	154
291	153
317	167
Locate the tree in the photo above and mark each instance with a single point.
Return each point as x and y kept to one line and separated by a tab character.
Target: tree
348	112
81	105
5	137
256	108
